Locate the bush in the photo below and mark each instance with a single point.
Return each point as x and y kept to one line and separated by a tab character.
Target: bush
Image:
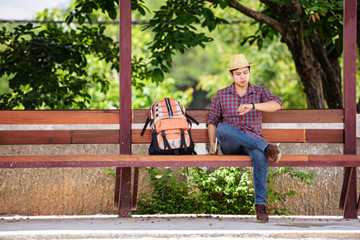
226	190
170	196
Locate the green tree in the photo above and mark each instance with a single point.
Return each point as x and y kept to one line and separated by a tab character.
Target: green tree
48	67
62	66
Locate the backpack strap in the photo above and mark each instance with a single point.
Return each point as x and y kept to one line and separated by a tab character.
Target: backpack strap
191	118
166	143
193	150
182	141
169	108
148	120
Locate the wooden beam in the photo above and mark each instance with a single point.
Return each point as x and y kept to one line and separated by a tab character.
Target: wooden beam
198	135
348	199
125	76
82	117
128	161
35	137
349	72
167	158
324	136
282	116
124	186
59	117
95	136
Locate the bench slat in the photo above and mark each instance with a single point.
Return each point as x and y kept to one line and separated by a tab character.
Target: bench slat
95	136
282	116
59	117
284	135
199	136
35	137
166	158
324	135
140	115
305	116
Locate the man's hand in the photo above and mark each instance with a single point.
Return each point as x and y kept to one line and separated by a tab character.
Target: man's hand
244	108
212	149
212	138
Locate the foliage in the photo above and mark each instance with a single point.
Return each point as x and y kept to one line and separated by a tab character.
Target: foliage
325	19
170	51
48	68
151	92
173	25
94	84
226	190
93	10
84	9
170	196
110	172
206	71
322	19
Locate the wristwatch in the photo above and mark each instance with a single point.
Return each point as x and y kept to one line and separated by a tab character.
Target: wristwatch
253	105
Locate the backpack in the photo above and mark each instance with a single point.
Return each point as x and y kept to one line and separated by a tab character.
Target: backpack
170	127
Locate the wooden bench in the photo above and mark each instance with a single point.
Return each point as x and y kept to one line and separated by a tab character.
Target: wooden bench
67	127
125	161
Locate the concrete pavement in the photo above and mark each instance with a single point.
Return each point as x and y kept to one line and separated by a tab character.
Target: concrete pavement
177	227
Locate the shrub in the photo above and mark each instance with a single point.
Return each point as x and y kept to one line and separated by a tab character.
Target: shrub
226	190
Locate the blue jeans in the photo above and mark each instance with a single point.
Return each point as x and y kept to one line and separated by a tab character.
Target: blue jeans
233	141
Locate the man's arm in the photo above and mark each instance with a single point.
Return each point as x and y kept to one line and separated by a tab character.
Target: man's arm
270	106
212	137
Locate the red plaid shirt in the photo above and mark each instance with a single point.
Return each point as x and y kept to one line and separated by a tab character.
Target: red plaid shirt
226	102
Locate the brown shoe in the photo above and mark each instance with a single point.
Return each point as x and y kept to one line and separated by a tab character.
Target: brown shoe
274	152
261	215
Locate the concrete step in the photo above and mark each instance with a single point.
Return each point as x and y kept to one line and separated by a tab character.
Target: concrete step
177	227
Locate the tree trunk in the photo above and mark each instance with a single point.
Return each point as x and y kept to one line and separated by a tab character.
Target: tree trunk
331	74
307	67
319	71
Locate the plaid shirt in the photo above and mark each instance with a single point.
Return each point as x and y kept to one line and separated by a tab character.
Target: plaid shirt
226	102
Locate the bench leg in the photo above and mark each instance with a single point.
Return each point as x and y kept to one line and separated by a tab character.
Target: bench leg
117	188
358	203
348	200
135	189
122	198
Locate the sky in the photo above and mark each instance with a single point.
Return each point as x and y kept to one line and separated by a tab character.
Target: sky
26	9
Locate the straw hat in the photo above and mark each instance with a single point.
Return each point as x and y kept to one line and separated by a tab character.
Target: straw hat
238	61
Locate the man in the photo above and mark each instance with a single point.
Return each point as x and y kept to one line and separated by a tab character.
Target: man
235	120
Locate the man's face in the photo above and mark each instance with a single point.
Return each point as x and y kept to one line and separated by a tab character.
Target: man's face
241	76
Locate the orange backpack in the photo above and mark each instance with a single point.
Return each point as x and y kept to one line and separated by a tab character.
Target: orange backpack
170	127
